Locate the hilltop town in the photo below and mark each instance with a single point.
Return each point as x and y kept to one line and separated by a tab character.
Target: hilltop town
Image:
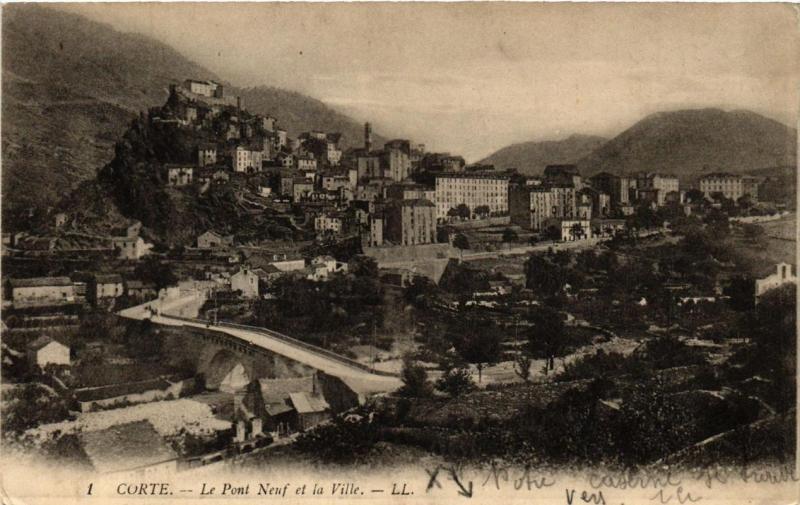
225	292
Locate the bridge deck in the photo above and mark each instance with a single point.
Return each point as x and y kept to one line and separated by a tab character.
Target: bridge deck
361	380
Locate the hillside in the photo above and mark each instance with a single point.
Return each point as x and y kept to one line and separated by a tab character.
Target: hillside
71	86
530	158
297	113
690	143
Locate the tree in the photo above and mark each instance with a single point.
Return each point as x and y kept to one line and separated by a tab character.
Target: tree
668	352
547	333
509	235
717	224
463	211
695	196
543	276
460	241
363	266
455	382
482	210
553	233
142	338
443	234
476	341
753	232
152	269
745	201
772	329
415	380
650	425
343	440
420	291
30	405
741	291
522	365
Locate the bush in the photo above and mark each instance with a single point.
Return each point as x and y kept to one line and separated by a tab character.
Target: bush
415	380
456	382
343	440
601	364
460	241
509	235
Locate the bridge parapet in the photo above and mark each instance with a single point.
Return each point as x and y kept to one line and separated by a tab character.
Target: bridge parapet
249	347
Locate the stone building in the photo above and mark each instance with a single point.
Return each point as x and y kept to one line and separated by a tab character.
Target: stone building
410	222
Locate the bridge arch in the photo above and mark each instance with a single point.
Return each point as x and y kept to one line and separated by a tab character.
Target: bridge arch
227	371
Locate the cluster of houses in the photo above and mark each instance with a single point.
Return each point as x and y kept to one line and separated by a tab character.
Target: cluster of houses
252	278
80	288
569	207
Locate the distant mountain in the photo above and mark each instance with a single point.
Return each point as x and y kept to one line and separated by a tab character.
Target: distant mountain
690	143
530	158
71	86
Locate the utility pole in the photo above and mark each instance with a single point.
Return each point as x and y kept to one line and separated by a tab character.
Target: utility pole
216	309
372	347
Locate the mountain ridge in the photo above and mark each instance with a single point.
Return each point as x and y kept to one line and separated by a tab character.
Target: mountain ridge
531	157
692	142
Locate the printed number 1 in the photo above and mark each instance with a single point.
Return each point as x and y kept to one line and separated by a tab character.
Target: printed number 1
90	488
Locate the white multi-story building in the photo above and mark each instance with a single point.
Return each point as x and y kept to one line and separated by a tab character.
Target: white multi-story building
328	223
729	185
306	163
564	200
658	185
206	155
472	190
246	160
570	229
204	88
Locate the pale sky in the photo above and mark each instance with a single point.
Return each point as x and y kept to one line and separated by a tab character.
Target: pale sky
471	78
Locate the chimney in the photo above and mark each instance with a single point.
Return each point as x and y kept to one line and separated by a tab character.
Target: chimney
368	137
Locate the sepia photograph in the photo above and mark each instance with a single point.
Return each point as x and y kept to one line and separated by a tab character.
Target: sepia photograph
399	252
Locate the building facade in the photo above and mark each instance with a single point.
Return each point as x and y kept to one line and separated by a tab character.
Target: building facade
40	290
45	351
655	187
179	175
731	186
530	206
569	229
246	160
472	190
206	155
410	222
130	248
245	281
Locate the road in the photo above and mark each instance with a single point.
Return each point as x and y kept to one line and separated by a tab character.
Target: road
468	255
361	381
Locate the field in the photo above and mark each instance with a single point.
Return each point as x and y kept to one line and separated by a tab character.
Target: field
778	245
